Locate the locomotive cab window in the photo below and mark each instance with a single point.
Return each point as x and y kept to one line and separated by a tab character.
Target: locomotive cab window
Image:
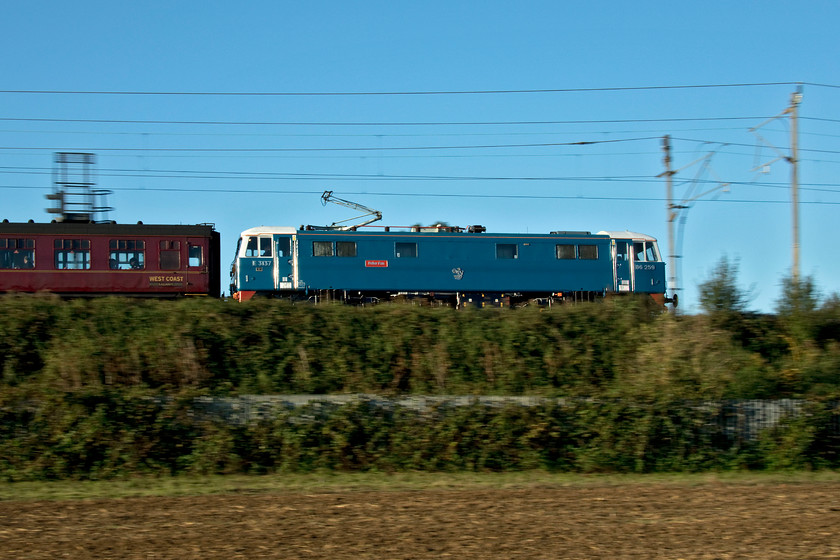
170	255
650	251
72	254
566	252
345	248
251	249
17	253
639	251
322	249
258	247
127	254
645	251
405	250
588	252
507	251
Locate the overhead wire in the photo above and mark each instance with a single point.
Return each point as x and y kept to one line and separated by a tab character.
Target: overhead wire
395	93
380	149
443	195
379	123
353	149
252	175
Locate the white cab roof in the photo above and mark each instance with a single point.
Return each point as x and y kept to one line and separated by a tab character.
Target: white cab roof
627	235
269	229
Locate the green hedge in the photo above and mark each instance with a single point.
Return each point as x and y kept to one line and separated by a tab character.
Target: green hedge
122	433
105	387
620	347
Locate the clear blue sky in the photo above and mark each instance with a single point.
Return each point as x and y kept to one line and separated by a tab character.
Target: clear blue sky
503	160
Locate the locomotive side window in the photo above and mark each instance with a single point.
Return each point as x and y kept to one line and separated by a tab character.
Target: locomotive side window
127	254
507	251
566	252
17	253
195	255
72	254
345	248
170	255
322	249
405	250
588	252
650	252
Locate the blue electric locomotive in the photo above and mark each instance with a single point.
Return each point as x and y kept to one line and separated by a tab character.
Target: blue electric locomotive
444	264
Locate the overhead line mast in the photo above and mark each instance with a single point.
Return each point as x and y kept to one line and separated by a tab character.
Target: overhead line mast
669	207
795	99
793	160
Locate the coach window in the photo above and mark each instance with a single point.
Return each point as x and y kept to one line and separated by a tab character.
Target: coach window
345	248
170	255
566	252
588	252
507	251
322	249
405	250
127	254
194	253
72	254
17	253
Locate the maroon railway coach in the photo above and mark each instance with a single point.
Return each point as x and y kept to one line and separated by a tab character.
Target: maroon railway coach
81	259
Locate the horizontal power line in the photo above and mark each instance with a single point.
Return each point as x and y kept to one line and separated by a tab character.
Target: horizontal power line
818	119
38	152
374	93
745	145
439	195
386	123
351	149
274	176
402	148
285	176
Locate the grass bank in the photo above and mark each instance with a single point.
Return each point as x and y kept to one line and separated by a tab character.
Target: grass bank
331	482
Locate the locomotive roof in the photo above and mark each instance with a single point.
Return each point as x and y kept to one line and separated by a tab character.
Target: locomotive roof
399	231
73	228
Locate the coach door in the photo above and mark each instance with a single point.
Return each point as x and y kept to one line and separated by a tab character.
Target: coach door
622	265
197	277
283	263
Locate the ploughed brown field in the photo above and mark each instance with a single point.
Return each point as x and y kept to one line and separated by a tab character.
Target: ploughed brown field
766	520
